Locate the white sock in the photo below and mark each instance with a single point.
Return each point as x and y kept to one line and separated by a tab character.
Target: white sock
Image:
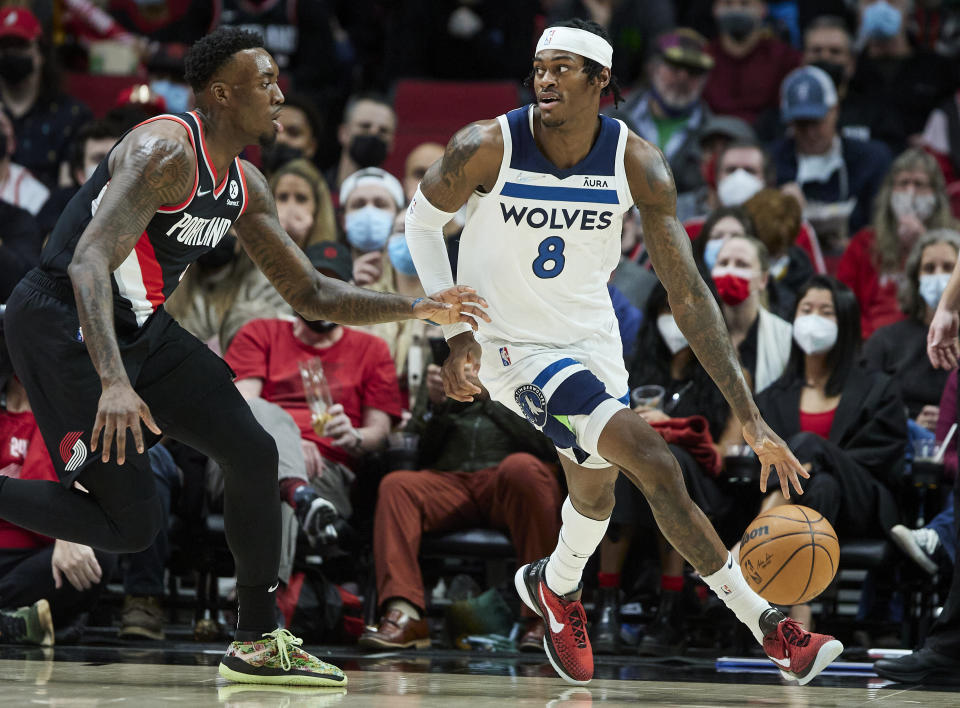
730	586
407	608
579	538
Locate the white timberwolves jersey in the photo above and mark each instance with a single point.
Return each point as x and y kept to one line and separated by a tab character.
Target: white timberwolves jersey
540	246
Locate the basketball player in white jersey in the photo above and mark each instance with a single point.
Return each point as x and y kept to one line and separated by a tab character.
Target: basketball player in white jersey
546	187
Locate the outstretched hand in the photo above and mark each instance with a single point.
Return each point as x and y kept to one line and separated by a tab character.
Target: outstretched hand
943	348
457	304
773	452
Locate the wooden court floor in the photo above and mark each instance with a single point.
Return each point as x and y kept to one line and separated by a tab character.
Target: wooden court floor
185	675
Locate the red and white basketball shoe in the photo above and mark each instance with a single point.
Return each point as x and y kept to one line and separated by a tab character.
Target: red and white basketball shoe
565	641
799	654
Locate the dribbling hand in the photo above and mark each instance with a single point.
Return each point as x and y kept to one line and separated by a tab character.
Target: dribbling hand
453	305
120	409
773	452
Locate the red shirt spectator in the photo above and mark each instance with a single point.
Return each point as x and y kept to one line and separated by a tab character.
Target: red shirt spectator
23	455
358	366
876	293
746	86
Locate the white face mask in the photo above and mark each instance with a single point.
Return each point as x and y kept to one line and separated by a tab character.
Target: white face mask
814	334
737	187
907	203
932	287
672	336
711	250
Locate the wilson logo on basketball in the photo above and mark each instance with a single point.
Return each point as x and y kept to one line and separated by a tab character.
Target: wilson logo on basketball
72	451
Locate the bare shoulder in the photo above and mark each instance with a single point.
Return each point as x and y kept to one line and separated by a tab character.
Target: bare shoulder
259	196
158	157
649	175
471	160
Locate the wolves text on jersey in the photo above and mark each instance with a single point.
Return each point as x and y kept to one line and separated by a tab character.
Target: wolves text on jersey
538	218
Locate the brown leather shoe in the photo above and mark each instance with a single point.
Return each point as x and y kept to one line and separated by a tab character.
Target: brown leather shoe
397	631
532	639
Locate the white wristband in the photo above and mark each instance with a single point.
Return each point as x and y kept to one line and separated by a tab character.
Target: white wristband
423	229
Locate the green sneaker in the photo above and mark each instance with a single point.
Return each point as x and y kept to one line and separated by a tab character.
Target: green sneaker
278	659
27	625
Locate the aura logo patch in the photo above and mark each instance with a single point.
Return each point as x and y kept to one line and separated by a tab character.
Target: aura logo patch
532	403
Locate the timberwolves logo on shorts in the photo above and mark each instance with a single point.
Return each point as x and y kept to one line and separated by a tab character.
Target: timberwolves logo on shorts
532	403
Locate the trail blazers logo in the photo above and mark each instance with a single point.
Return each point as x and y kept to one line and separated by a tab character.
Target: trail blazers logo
72	451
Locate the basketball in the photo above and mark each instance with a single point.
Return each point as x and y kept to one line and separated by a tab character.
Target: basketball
789	554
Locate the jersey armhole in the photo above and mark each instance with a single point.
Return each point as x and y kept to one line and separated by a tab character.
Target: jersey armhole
196	156
504	162
243	186
623	184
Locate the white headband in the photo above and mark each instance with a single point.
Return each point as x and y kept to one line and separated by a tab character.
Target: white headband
373	175
578	41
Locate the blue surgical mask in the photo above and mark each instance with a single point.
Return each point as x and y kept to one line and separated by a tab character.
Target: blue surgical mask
368	228
176	95
711	251
932	287
881	20
399	254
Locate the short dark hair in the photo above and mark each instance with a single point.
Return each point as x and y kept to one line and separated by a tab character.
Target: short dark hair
213	51
769	176
371	96
591	67
94	130
738	213
843	357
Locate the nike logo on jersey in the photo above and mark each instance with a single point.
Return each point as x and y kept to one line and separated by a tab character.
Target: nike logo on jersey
785	663
527	177
202	194
555	627
199	231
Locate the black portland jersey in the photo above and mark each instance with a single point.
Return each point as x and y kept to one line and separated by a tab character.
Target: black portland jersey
175	237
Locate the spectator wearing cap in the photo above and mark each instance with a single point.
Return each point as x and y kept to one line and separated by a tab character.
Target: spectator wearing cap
898	84
45	120
750	63
671	112
834	178
317	459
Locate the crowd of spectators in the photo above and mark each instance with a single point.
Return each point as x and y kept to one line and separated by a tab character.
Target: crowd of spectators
816	151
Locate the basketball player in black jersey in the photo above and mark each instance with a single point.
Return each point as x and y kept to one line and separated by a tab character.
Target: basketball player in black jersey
101	359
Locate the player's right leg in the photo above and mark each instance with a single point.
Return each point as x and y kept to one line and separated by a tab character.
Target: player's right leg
198	404
629	442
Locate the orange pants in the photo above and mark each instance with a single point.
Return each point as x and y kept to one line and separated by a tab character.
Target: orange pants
520	495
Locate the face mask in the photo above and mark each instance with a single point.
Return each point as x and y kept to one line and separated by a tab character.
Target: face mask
223	253
672	110
399	254
368	150
711	251
368	228
672	336
318	326
919	205
814	334
277	155
733	284
737	187
176	95
881	20
837	72
14	68
737	24
932	287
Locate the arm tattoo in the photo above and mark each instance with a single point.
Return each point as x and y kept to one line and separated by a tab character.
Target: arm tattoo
313	295
462	147
692	304
154	171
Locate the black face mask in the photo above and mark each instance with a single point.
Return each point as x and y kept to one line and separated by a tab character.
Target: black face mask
368	150
318	326
3	145
14	68
835	71
277	155
737	24
222	254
